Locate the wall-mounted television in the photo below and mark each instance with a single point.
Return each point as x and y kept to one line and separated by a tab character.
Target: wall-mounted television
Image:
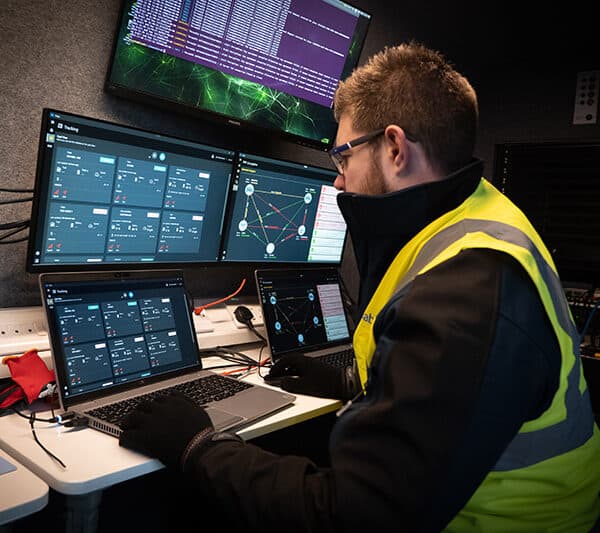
112	196
270	65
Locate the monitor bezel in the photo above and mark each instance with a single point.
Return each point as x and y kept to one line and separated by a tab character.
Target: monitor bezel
36	224
254	264
144	97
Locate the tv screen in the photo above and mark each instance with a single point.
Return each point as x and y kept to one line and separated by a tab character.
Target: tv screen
283	212
109	196
273	64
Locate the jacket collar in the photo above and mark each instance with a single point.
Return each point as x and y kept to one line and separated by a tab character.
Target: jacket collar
379	226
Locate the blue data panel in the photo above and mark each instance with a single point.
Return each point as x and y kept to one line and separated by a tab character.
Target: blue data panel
81	175
140	183
107	193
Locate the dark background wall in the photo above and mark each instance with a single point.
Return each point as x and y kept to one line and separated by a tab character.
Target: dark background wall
522	60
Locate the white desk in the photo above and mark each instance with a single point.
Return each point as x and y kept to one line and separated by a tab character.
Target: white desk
21	492
95	460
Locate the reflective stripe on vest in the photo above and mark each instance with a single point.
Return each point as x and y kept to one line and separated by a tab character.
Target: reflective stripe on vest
539	439
546	442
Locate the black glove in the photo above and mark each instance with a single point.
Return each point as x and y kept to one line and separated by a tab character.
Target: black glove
307	375
163	427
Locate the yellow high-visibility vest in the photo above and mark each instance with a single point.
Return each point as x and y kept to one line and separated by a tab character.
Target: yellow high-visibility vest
549	476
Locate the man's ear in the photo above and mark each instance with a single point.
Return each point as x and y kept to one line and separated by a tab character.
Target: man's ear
397	150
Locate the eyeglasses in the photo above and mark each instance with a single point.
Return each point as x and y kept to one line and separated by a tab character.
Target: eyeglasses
338	160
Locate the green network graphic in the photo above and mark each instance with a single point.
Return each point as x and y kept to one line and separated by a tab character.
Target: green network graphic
153	73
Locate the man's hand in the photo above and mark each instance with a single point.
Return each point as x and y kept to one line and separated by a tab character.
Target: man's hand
163	427
306	375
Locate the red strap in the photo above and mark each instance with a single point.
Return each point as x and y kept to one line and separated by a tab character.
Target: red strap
15	393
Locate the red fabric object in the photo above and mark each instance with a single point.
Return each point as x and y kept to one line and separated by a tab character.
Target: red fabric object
15	394
31	373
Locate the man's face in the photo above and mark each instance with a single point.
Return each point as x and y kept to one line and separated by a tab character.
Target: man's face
362	169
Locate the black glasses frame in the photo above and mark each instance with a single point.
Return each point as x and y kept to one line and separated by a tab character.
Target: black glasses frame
334	153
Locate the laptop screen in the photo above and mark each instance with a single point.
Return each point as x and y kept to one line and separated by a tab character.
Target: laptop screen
302	309
111	330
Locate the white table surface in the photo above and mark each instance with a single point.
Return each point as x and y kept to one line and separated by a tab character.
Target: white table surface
95	460
21	492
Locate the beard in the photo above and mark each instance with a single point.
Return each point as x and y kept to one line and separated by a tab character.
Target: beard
374	182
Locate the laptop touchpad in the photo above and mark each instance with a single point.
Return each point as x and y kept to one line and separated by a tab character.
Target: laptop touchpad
222	419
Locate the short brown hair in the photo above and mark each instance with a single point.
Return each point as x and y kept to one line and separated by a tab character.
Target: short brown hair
417	89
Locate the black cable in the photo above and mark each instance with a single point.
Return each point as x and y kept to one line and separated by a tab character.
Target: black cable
253	330
15	224
52	420
55	419
218	367
31	422
234	356
238	358
11	232
22	239
4	189
16	201
260	360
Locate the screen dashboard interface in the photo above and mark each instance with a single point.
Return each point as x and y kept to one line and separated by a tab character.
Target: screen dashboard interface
110	332
283	212
302	309
108	194
274	64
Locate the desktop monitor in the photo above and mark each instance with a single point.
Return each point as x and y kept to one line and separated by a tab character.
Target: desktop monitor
111	196
282	212
557	185
272	65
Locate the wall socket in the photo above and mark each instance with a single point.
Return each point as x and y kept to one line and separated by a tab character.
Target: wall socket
586	97
255	309
22	329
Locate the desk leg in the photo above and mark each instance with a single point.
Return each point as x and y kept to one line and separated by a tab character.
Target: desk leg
81	512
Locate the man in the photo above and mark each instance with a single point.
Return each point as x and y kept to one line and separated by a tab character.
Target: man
472	413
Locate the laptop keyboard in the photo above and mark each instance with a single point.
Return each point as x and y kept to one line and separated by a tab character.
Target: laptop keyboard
339	359
202	390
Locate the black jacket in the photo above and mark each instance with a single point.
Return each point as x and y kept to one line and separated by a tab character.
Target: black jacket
464	357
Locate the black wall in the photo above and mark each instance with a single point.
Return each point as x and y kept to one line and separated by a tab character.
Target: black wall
55	53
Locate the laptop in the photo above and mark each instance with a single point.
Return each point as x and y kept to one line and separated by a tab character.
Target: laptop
303	312
119	336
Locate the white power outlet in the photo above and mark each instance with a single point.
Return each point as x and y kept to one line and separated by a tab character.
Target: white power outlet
256	311
21	329
586	97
